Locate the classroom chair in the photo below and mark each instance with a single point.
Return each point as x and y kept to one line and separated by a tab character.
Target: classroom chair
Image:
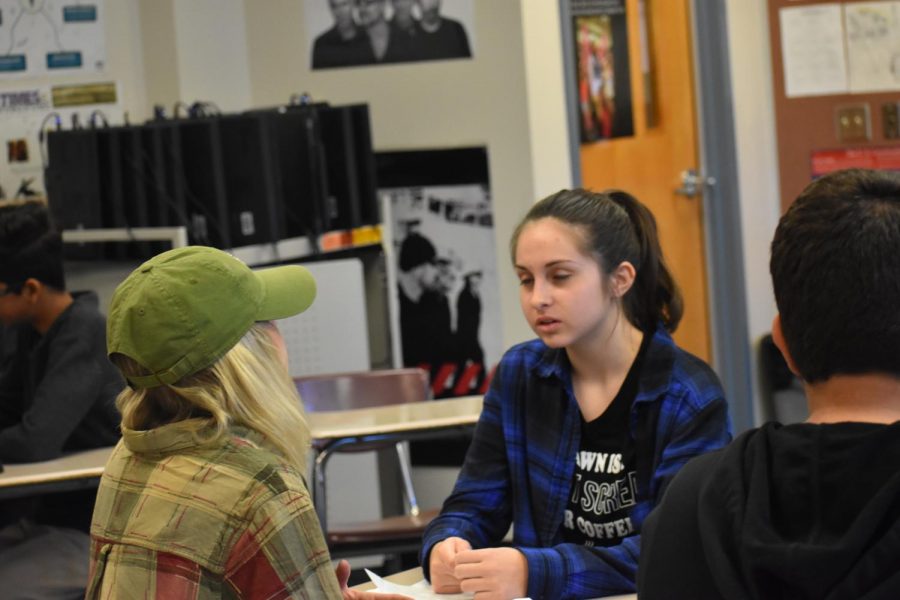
390	535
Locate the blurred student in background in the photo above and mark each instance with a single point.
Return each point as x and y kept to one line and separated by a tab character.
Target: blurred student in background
57	394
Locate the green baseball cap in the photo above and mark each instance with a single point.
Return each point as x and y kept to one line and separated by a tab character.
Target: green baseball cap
184	309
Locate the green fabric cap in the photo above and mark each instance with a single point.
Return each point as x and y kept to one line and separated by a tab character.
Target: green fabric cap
184	309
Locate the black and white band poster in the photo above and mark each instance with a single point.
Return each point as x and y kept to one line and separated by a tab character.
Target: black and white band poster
353	33
443	271
602	75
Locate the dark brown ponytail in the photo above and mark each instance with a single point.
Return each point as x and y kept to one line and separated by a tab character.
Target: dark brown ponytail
619	228
654	297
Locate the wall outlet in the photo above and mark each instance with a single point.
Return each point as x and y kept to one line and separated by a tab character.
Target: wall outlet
853	123
890	118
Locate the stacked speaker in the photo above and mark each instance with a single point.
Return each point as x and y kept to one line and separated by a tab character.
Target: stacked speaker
233	180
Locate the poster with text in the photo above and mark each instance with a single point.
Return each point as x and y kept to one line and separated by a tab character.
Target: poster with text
446	313
47	37
27	110
349	33
603	78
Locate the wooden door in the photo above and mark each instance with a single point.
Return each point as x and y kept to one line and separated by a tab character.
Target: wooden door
649	164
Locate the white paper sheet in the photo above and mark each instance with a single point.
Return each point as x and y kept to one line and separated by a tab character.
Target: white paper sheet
873	45
421	590
418	591
812	50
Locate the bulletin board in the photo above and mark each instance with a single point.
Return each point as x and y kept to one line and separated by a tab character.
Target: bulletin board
833	62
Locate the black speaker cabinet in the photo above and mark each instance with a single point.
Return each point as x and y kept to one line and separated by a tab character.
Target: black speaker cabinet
199	181
73	185
350	166
252	198
232	180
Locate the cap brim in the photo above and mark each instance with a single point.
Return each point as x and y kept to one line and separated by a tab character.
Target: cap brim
289	290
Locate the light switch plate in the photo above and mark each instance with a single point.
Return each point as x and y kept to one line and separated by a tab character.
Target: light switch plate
853	123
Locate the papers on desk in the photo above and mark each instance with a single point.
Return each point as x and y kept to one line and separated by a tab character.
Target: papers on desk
418	591
422	590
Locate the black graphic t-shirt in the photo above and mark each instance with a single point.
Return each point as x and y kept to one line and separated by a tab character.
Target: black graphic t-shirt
604	485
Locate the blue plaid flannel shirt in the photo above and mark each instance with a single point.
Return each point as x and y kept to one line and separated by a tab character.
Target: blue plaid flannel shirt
519	467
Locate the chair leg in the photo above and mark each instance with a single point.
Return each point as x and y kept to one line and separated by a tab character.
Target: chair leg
406	473
320	501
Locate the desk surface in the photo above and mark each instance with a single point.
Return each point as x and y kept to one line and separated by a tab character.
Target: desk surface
413	576
81	465
323	426
397	418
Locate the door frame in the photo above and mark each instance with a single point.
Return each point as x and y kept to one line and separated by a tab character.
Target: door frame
717	161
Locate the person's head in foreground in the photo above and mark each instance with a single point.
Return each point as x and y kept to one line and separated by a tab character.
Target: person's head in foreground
809	510
836	274
205	494
191	332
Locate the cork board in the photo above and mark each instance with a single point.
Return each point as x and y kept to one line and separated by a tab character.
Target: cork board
808	124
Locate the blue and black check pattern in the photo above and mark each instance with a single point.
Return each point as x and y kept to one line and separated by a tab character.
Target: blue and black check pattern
520	465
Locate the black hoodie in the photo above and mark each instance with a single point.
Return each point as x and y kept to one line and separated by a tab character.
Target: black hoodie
797	511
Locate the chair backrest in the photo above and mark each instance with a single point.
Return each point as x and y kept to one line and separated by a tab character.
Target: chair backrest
362	389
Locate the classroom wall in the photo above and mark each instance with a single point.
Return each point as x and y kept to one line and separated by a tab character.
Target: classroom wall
754	115
211	39
159	53
427	105
241	53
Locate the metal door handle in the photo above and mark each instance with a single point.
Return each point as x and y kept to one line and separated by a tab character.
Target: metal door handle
692	182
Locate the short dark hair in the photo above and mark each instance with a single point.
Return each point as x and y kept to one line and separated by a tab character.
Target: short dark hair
30	246
416	250
836	273
618	228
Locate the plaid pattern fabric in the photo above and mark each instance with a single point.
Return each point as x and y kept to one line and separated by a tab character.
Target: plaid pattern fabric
520	465
174	520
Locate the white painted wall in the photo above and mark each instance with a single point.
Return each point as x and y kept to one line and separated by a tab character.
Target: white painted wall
211	43
551	164
751	82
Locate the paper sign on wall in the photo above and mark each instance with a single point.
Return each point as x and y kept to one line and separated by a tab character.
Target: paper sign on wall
45	37
812	48
873	45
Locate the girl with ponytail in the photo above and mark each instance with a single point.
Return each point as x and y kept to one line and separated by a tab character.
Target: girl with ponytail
583	427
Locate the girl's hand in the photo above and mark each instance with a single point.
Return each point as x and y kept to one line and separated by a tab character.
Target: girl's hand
342	572
442	564
492	573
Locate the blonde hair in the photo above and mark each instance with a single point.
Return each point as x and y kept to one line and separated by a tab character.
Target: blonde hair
248	386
